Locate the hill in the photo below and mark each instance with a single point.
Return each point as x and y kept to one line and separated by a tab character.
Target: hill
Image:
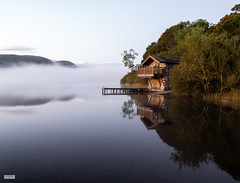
65	63
23	60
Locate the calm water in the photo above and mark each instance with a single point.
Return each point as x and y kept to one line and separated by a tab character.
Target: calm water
71	133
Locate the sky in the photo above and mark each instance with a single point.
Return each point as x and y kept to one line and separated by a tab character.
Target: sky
95	31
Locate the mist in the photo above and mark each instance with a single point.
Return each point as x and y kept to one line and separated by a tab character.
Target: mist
47	83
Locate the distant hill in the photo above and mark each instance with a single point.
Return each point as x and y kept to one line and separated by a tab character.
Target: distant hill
23	60
65	63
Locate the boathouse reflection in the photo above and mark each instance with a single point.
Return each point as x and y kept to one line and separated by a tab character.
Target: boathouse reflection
200	132
155	112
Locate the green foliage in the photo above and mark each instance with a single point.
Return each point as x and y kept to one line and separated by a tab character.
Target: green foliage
168	41
132	78
150	50
236	8
196	63
208	64
129	78
138	80
230	24
128	58
182	83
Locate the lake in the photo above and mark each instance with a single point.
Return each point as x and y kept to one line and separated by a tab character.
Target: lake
56	126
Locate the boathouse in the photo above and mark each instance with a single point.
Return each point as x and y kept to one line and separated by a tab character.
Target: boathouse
157	70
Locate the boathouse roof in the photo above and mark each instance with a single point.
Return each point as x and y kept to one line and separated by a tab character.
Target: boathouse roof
167	60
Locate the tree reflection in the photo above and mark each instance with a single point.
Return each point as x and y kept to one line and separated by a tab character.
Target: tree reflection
129	105
128	110
200	132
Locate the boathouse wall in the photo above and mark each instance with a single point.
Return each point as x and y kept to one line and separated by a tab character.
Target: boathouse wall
159	76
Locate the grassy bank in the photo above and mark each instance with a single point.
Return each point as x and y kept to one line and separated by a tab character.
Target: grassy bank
229	99
131	78
232	98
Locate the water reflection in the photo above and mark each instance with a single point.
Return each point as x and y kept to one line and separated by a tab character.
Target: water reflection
199	132
155	112
128	109
13	100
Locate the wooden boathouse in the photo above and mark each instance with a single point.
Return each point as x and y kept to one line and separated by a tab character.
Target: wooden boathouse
157	71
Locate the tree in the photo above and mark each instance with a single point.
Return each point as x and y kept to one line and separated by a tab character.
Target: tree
230	23
150	50
168	41
209	63
236	8
128	58
165	46
196	55
225	53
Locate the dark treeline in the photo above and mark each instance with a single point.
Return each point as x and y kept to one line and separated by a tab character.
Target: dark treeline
210	54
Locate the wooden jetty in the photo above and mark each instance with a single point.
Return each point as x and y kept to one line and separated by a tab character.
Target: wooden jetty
124	91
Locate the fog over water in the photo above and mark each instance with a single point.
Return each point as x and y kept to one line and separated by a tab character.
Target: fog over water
56	82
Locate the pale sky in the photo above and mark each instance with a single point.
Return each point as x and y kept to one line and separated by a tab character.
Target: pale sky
95	31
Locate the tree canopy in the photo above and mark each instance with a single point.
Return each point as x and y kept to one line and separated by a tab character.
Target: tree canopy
168	41
209	64
236	8
230	24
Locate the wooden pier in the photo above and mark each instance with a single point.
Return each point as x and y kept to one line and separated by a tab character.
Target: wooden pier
124	91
